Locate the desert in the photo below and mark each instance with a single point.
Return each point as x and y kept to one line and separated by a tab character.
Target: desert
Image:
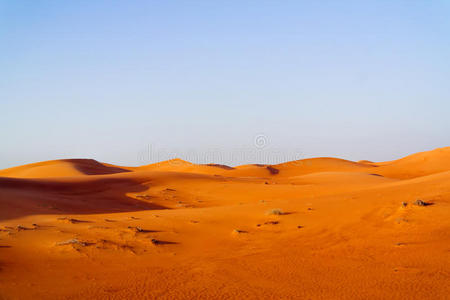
225	150
321	228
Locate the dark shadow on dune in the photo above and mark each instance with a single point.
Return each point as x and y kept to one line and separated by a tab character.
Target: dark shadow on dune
85	195
20	228
159	242
272	170
138	229
225	167
93	167
74	221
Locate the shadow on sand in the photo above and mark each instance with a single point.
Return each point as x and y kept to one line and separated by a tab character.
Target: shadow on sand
81	195
93	167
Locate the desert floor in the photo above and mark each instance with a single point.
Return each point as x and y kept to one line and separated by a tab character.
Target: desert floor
320	228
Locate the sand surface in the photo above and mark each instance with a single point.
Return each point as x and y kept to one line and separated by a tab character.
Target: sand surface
322	228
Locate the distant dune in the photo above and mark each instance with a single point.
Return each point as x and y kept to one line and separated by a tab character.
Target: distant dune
420	164
321	228
62	168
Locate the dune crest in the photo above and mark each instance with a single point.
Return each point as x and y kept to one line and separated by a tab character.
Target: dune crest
415	165
62	168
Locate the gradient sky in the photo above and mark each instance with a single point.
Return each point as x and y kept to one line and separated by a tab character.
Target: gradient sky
118	81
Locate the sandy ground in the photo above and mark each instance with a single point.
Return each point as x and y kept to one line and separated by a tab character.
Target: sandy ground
321	228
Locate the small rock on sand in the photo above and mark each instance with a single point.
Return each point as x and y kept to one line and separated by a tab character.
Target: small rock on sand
419	202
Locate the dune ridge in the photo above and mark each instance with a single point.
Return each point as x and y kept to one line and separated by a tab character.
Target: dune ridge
415	165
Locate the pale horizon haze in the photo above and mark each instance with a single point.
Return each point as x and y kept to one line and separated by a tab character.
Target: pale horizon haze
110	80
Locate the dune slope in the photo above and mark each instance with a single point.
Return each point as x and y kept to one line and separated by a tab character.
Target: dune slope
62	168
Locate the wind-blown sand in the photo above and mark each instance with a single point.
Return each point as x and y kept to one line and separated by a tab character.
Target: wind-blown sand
320	228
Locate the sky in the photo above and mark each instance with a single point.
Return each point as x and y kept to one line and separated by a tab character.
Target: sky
233	82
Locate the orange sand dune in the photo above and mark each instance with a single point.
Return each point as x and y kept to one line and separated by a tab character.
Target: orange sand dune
419	164
322	228
62	168
415	165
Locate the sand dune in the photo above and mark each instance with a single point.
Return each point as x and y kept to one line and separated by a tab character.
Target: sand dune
322	228
416	165
62	168
419	164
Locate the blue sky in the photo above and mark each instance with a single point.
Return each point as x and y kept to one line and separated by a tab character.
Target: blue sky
109	79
